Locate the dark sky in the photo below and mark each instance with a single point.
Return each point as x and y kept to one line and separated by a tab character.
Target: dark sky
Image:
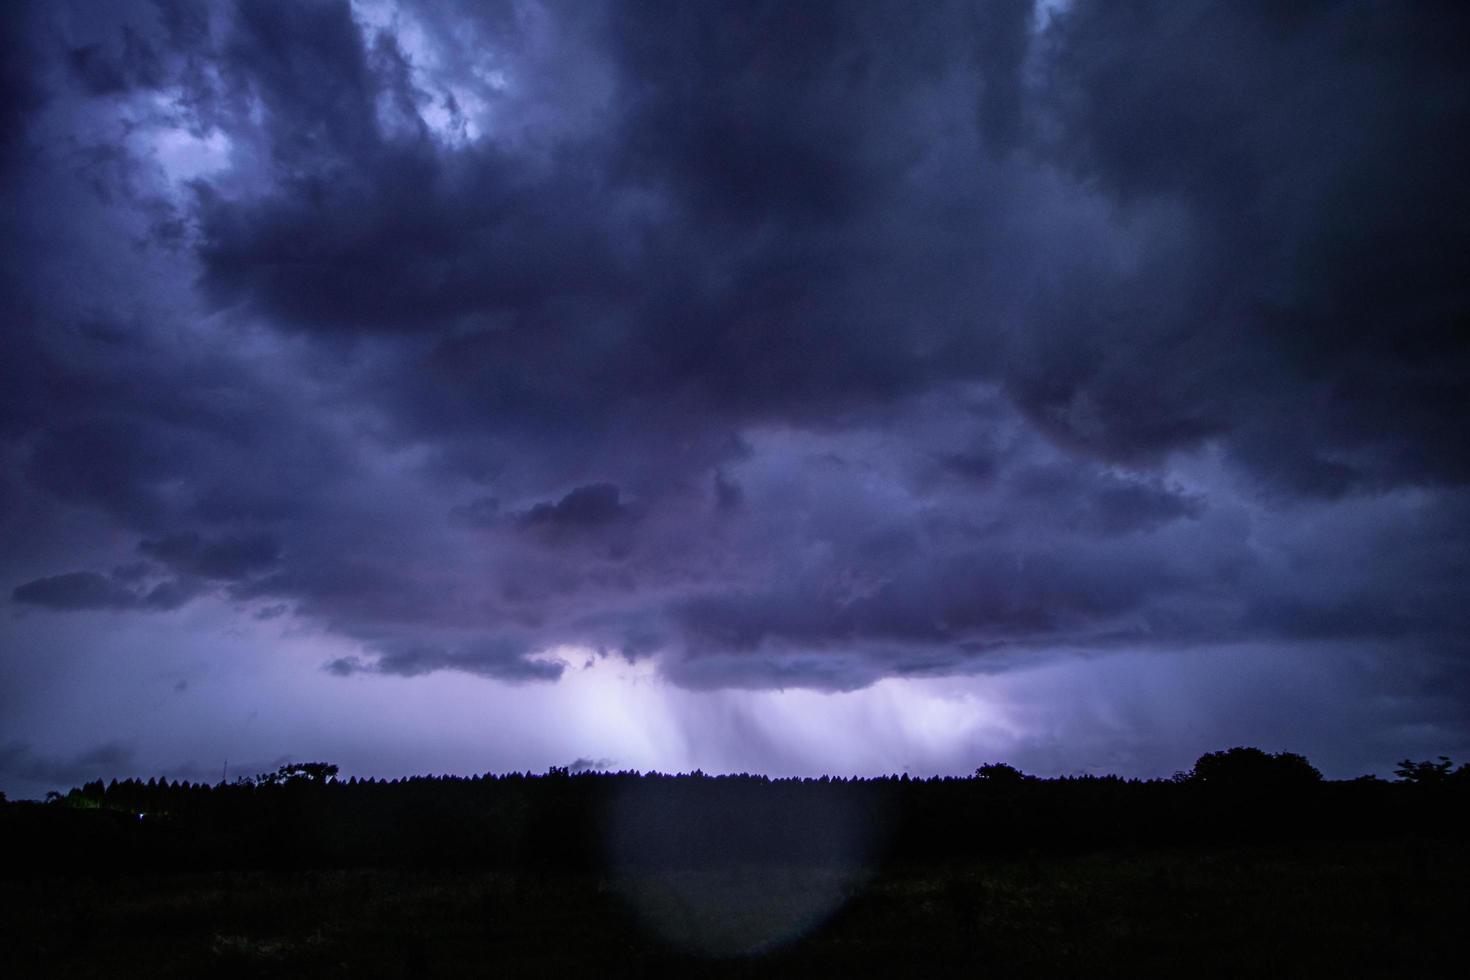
437	386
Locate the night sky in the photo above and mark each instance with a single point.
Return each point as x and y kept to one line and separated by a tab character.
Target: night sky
793	388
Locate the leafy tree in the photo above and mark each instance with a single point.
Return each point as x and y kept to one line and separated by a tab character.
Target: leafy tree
300	772
1001	773
1425	773
1247	767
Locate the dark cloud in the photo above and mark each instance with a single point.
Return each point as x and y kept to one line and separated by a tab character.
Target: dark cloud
122	465
108	69
89	590
308	66
588	508
784	345
21	93
1099	501
367	229
132	572
480	512
505	660
1002	34
76	590
21	764
972	466
401	240
227	557
191	558
728	495
1310	159
765	113
967	599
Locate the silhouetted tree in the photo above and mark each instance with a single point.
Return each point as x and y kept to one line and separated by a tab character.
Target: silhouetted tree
305	772
999	772
299	816
1245	767
1426	772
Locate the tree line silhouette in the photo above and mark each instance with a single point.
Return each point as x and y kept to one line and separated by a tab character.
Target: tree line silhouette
304	816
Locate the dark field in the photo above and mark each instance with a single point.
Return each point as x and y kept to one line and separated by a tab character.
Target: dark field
1250	865
1364	909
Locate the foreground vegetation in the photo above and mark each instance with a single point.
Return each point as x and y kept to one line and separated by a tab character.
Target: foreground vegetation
1383	909
1248	866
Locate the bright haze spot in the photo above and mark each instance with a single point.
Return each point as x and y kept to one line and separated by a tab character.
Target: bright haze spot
186	156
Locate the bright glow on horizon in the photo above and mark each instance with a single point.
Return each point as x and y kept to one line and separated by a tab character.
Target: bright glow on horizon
258	695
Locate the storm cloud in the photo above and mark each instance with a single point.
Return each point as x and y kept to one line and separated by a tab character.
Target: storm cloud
775	346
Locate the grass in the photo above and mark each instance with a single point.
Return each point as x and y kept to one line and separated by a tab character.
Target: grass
1388	909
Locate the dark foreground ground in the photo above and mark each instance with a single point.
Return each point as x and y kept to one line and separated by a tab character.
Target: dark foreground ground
1341	909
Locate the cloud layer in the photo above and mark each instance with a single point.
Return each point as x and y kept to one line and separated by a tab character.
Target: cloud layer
781	346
